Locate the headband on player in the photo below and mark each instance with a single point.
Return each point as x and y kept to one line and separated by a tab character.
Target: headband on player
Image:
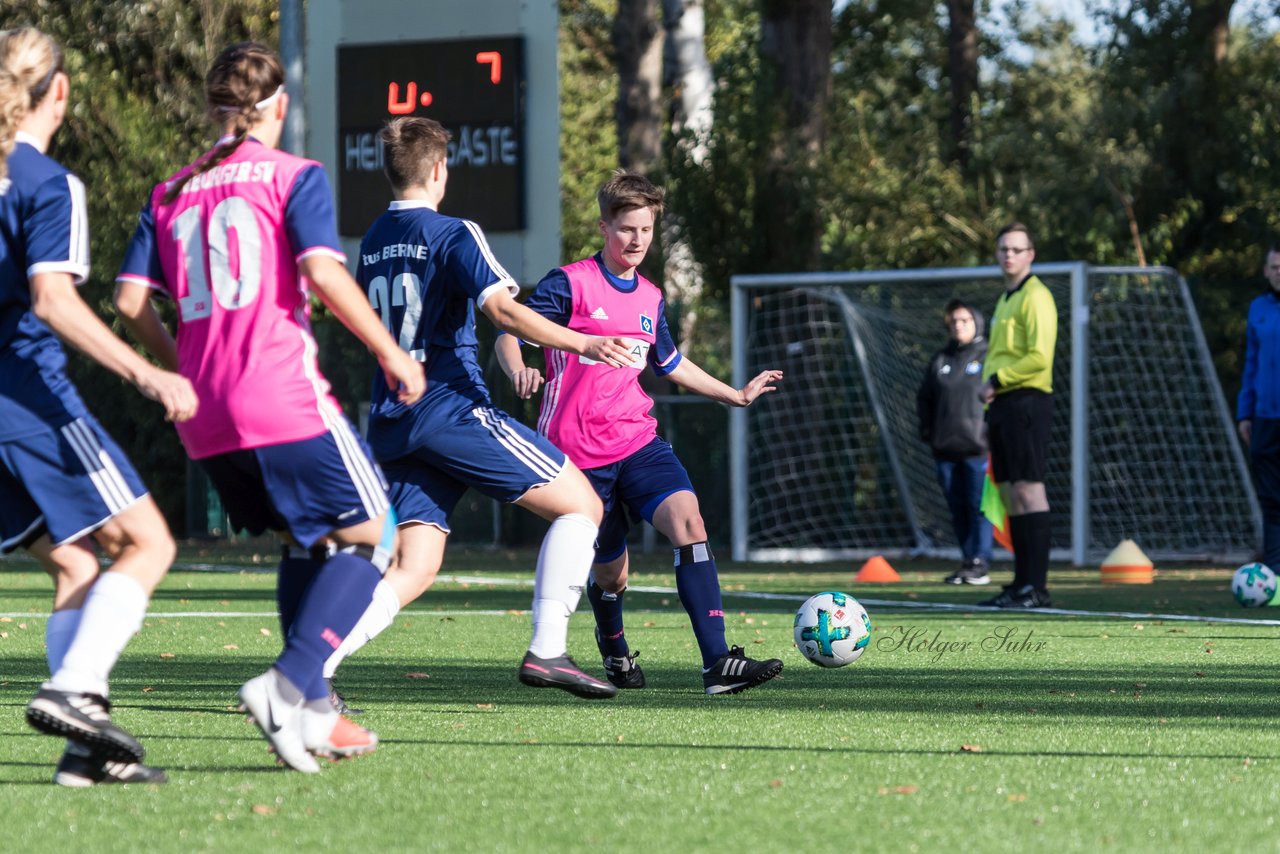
267	101
264	103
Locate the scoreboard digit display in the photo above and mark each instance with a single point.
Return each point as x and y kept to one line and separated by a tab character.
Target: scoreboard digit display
474	87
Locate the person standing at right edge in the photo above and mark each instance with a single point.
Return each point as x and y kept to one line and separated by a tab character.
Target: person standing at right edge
1258	406
1018	391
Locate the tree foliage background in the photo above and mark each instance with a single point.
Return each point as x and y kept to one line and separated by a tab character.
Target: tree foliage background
1156	142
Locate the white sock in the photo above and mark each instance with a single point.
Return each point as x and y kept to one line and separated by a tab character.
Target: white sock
563	566
58	634
112	614
380	613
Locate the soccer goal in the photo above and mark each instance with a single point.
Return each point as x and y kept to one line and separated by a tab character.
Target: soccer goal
831	466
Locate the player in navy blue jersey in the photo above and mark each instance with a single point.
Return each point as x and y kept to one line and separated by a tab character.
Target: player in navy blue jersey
425	272
63	482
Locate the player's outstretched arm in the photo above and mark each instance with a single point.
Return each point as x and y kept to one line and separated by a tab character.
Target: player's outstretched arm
527	380
55	301
516	319
139	316
689	376
344	298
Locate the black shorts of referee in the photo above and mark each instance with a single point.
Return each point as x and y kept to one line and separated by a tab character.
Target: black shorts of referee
1018	423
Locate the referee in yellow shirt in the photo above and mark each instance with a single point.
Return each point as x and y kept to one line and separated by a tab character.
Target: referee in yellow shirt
1019	393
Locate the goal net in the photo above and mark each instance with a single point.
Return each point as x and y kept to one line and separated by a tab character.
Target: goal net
831	466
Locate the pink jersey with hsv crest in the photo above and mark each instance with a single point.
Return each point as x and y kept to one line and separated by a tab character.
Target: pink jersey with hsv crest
595	413
228	249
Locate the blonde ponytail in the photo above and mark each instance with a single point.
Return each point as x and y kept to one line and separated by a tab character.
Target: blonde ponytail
29	61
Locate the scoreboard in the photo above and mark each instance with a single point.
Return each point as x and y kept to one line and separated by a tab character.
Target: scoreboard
474	87
485	69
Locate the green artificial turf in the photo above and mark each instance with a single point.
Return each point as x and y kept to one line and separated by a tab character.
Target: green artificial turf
955	731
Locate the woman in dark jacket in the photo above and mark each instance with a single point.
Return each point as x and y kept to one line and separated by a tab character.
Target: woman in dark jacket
951	421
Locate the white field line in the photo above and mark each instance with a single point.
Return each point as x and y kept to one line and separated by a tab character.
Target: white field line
919	607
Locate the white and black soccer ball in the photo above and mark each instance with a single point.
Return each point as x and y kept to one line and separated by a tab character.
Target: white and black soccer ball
832	629
1254	585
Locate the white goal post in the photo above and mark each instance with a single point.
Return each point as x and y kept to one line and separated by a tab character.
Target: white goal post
831	467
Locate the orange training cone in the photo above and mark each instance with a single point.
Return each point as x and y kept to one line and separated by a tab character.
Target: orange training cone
877	571
1127	565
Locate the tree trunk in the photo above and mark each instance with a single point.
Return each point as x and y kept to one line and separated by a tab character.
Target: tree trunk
689	73
637	42
796	53
962	67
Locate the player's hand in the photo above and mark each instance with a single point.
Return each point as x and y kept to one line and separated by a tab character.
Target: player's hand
527	381
172	391
610	351
758	386
1245	428
987	392
404	376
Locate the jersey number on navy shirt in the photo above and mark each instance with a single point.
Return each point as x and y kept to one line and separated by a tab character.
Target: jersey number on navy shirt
403	290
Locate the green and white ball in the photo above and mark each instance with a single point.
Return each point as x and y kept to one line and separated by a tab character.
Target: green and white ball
832	629
1254	585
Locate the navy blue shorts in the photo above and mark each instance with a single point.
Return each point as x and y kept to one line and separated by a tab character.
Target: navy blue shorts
65	481
638	483
485	449
307	488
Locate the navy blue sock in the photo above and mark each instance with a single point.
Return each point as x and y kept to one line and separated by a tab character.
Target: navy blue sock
699	586
292	578
330	608
608	611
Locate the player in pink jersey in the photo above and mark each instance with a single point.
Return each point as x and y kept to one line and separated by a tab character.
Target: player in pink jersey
236	239
600	417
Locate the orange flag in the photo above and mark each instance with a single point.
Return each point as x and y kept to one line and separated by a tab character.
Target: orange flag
993	508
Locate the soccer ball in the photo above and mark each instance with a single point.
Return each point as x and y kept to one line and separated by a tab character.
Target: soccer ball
1254	585
832	629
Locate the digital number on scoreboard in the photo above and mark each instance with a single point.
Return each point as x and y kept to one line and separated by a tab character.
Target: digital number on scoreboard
474	87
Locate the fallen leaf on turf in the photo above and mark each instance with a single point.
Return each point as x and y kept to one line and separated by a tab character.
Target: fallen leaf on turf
1247	762
758	640
417	676
1139	685
230	646
905	790
22	625
147	690
750	621
263	809
648	624
621	739
266	633
1017	799
6	619
775	784
971	748
484	705
1138	627
4	634
515	612
167	655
